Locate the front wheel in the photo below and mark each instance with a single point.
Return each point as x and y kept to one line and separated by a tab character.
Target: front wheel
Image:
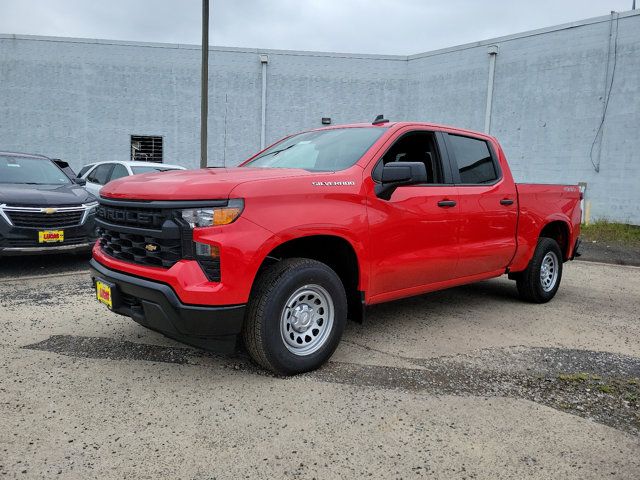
296	316
540	281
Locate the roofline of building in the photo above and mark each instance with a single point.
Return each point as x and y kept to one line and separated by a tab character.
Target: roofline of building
528	33
213	48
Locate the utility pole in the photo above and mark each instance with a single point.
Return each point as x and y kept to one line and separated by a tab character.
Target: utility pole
204	84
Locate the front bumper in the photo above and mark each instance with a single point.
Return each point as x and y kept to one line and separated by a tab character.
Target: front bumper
75	248
156	306
24	240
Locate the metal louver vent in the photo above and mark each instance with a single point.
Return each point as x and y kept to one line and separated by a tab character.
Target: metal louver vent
146	148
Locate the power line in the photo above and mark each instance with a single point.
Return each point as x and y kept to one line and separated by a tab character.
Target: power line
596	166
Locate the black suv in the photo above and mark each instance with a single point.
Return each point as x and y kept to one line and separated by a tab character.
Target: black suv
41	209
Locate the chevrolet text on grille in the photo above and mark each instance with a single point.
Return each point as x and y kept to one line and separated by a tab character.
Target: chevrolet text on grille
128	216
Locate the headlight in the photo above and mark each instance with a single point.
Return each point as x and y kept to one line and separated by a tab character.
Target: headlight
209	217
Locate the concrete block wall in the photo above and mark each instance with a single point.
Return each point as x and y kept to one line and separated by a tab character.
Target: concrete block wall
81	99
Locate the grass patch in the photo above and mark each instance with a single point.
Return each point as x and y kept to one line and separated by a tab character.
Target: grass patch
606	388
604	231
574	377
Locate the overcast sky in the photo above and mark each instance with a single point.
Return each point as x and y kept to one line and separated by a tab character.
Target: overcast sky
360	26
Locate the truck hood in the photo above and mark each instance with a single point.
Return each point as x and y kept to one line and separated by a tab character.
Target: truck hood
203	184
21	195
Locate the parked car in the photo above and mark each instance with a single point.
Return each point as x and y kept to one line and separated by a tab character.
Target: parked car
41	209
281	250
99	174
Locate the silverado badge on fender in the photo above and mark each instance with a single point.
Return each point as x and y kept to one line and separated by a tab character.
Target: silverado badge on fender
333	184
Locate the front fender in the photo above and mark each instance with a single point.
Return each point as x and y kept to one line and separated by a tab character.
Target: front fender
357	243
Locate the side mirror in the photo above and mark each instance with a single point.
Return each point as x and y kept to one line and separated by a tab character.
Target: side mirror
395	174
80	181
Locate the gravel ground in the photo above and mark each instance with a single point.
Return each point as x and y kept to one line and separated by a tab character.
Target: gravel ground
465	383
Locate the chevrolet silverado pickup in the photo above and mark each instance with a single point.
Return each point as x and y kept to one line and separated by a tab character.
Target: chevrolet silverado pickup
281	250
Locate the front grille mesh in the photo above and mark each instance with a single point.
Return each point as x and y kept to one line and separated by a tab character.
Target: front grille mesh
143	235
142	249
46	220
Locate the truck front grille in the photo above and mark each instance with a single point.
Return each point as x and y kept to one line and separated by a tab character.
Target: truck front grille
144	235
142	249
152	233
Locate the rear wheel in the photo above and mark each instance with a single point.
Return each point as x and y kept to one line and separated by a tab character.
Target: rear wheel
296	316
540	281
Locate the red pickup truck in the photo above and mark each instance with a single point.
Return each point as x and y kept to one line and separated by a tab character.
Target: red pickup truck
282	249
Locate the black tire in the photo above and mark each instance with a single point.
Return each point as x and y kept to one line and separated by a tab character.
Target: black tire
262	333
530	284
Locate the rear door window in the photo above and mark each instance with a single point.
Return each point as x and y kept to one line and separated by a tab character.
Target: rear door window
100	174
119	171
474	159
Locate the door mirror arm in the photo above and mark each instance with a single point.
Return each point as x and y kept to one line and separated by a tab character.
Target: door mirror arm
396	174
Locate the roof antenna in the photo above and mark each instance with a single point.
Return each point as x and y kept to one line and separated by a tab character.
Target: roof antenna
380	120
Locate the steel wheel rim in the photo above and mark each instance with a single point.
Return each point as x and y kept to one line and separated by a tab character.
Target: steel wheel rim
549	271
307	320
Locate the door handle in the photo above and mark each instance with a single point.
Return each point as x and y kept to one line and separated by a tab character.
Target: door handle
446	203
506	201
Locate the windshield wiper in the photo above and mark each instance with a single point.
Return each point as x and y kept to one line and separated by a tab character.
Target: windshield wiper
275	152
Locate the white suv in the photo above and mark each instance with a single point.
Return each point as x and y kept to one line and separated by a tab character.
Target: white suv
99	174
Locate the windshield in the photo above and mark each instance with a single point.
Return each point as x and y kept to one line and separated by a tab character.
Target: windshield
145	169
320	151
33	171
